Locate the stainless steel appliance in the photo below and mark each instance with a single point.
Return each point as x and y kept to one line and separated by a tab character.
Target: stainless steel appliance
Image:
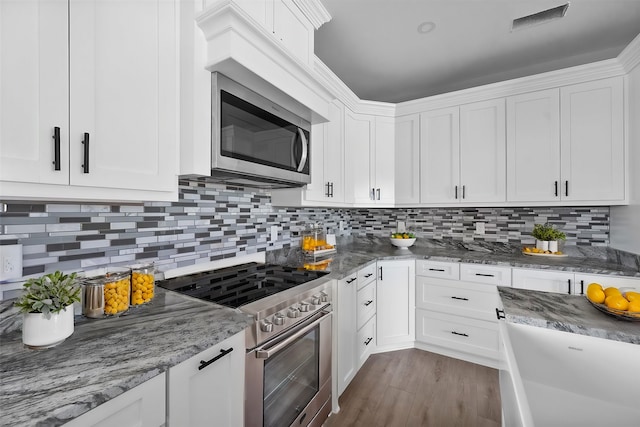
288	351
256	142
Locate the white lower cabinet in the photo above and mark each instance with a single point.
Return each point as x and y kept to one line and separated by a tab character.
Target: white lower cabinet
543	280
395	310
582	281
366	340
212	394
142	406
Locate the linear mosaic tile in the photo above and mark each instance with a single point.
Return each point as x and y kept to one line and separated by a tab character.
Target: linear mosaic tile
212	221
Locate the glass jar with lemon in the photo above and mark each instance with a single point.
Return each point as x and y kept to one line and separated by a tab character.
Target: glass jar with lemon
142	284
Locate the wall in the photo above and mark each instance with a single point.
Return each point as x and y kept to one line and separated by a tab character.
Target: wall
625	220
211	222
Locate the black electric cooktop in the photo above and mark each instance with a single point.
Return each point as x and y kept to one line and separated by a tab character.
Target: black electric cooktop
240	284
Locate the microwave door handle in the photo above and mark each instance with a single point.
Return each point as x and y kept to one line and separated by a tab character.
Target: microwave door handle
303	156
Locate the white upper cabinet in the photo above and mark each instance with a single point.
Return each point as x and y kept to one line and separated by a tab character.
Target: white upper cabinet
592	135
462	152
533	146
98	102
382	173
440	156
483	151
407	164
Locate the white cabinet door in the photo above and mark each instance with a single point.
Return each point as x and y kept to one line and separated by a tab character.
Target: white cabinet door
382	161
347	330
395	310
123	94
357	139
533	146
334	152
440	156
543	280
483	151
34	83
592	138
407	160
317	189
292	29
213	395
142	406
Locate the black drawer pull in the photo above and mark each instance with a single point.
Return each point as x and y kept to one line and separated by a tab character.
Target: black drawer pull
368	341
56	148
460	298
368	303
485	275
460	334
85	142
569	288
581	287
500	314
437	269
566	188
366	276
223	353
463	191
352	280
380	273
556	187
456	191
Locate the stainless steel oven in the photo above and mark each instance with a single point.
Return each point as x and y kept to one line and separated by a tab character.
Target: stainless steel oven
288	379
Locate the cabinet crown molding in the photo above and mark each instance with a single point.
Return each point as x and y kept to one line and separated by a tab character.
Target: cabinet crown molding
315	11
630	57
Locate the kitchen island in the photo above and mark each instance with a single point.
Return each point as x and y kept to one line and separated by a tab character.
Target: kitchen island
104	357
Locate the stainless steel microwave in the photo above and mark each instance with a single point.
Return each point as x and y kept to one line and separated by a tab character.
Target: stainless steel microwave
255	142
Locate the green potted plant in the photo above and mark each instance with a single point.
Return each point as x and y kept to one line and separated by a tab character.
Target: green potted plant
547	237
47	307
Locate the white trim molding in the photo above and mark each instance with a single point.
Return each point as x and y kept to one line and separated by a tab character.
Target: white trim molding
315	12
630	57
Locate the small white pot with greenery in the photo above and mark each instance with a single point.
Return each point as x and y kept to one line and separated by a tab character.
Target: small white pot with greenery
47	304
547	237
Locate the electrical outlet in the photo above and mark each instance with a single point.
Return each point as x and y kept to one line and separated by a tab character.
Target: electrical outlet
401	228
274	233
479	227
341	226
10	262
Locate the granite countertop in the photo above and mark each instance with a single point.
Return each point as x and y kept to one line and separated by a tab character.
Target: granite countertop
567	313
104	357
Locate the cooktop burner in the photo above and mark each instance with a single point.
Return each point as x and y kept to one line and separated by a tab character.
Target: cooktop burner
241	284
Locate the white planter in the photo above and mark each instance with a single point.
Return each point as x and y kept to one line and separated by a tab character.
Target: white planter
542	245
40	331
553	246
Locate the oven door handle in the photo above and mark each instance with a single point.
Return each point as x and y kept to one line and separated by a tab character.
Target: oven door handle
263	353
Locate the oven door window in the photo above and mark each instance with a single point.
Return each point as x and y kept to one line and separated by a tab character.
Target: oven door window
251	134
291	379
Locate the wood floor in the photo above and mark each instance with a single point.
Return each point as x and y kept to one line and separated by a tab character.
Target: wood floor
416	388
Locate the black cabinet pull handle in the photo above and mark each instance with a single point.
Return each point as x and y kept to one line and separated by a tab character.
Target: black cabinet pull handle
463	191
581	287
380	273
56	148
368	303
366	276
460	298
368	341
460	334
556	188
456	192
85	142
373	194
331	190
484	275
378	191
566	188
352	280
569	290
327	192
437	269
222	354
500	314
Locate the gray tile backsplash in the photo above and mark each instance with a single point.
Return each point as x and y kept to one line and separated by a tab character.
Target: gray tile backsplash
211	221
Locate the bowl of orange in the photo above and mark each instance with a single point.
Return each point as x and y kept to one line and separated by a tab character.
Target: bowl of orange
623	303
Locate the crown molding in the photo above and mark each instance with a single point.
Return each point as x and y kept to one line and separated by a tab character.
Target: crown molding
629	58
315	11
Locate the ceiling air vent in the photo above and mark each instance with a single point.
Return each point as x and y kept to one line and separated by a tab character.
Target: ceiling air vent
540	17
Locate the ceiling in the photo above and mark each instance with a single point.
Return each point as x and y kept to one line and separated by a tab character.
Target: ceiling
375	47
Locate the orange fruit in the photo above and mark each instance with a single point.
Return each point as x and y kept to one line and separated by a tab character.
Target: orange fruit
632	296
595	294
612	291
617	302
634	306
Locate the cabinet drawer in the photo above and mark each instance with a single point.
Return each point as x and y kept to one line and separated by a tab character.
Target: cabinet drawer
366	275
543	280
489	274
439	269
366	340
471	300
366	304
456	332
583	280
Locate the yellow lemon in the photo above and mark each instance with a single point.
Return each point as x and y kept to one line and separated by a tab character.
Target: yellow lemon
617	302
594	286
612	291
632	296
595	294
634	306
